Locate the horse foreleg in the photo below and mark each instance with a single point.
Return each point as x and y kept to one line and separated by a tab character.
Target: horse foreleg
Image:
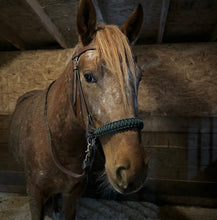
69	207
35	201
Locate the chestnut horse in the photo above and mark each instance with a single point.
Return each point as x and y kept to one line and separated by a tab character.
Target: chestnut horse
98	86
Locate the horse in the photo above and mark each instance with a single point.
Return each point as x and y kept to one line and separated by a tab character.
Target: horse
54	132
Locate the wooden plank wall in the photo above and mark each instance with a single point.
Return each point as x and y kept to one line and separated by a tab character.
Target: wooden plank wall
177	101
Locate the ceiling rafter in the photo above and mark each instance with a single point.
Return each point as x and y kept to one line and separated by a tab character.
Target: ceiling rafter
163	20
47	22
100	18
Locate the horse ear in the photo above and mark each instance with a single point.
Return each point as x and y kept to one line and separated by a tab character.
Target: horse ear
86	21
132	26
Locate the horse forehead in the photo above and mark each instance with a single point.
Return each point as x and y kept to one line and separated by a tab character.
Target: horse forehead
89	56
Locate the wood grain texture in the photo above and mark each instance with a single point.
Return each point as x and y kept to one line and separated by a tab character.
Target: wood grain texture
47	22
63	14
178	80
24	22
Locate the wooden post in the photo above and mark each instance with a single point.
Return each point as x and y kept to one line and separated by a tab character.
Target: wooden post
163	19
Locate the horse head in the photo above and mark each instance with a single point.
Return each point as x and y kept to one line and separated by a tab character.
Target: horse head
109	81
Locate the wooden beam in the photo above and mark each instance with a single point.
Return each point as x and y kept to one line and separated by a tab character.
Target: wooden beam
11	36
47	22
100	18
163	19
213	36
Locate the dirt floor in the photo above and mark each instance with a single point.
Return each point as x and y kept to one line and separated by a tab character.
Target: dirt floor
15	207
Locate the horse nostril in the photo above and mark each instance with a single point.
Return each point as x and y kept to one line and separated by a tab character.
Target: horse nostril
119	172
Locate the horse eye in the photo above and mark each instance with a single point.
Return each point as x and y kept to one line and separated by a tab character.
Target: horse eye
90	78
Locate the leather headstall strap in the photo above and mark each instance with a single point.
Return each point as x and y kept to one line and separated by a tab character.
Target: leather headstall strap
90	151
77	83
53	154
76	80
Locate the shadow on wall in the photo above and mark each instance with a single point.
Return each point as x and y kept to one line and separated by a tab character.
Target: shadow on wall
7	57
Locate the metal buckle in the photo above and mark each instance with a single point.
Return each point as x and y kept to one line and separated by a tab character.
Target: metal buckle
90	152
75	61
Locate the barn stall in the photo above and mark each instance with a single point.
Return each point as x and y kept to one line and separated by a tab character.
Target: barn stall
177	51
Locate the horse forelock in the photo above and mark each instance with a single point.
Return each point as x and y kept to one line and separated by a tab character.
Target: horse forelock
114	50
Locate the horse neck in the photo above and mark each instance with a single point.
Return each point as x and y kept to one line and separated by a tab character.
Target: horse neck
65	128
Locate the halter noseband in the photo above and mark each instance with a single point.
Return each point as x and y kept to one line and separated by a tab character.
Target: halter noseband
92	133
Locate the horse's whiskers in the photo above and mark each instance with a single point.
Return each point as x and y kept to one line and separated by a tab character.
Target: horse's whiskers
102	179
105	187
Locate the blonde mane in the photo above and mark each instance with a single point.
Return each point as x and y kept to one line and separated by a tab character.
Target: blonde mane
114	49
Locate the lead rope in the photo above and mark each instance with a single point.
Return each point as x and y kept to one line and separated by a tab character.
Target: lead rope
57	163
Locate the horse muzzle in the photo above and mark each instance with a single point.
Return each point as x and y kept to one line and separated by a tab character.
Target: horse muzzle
127	179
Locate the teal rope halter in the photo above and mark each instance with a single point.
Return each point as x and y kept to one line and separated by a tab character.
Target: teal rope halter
110	128
118	126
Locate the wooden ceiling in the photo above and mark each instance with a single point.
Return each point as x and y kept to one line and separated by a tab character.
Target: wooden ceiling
40	24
